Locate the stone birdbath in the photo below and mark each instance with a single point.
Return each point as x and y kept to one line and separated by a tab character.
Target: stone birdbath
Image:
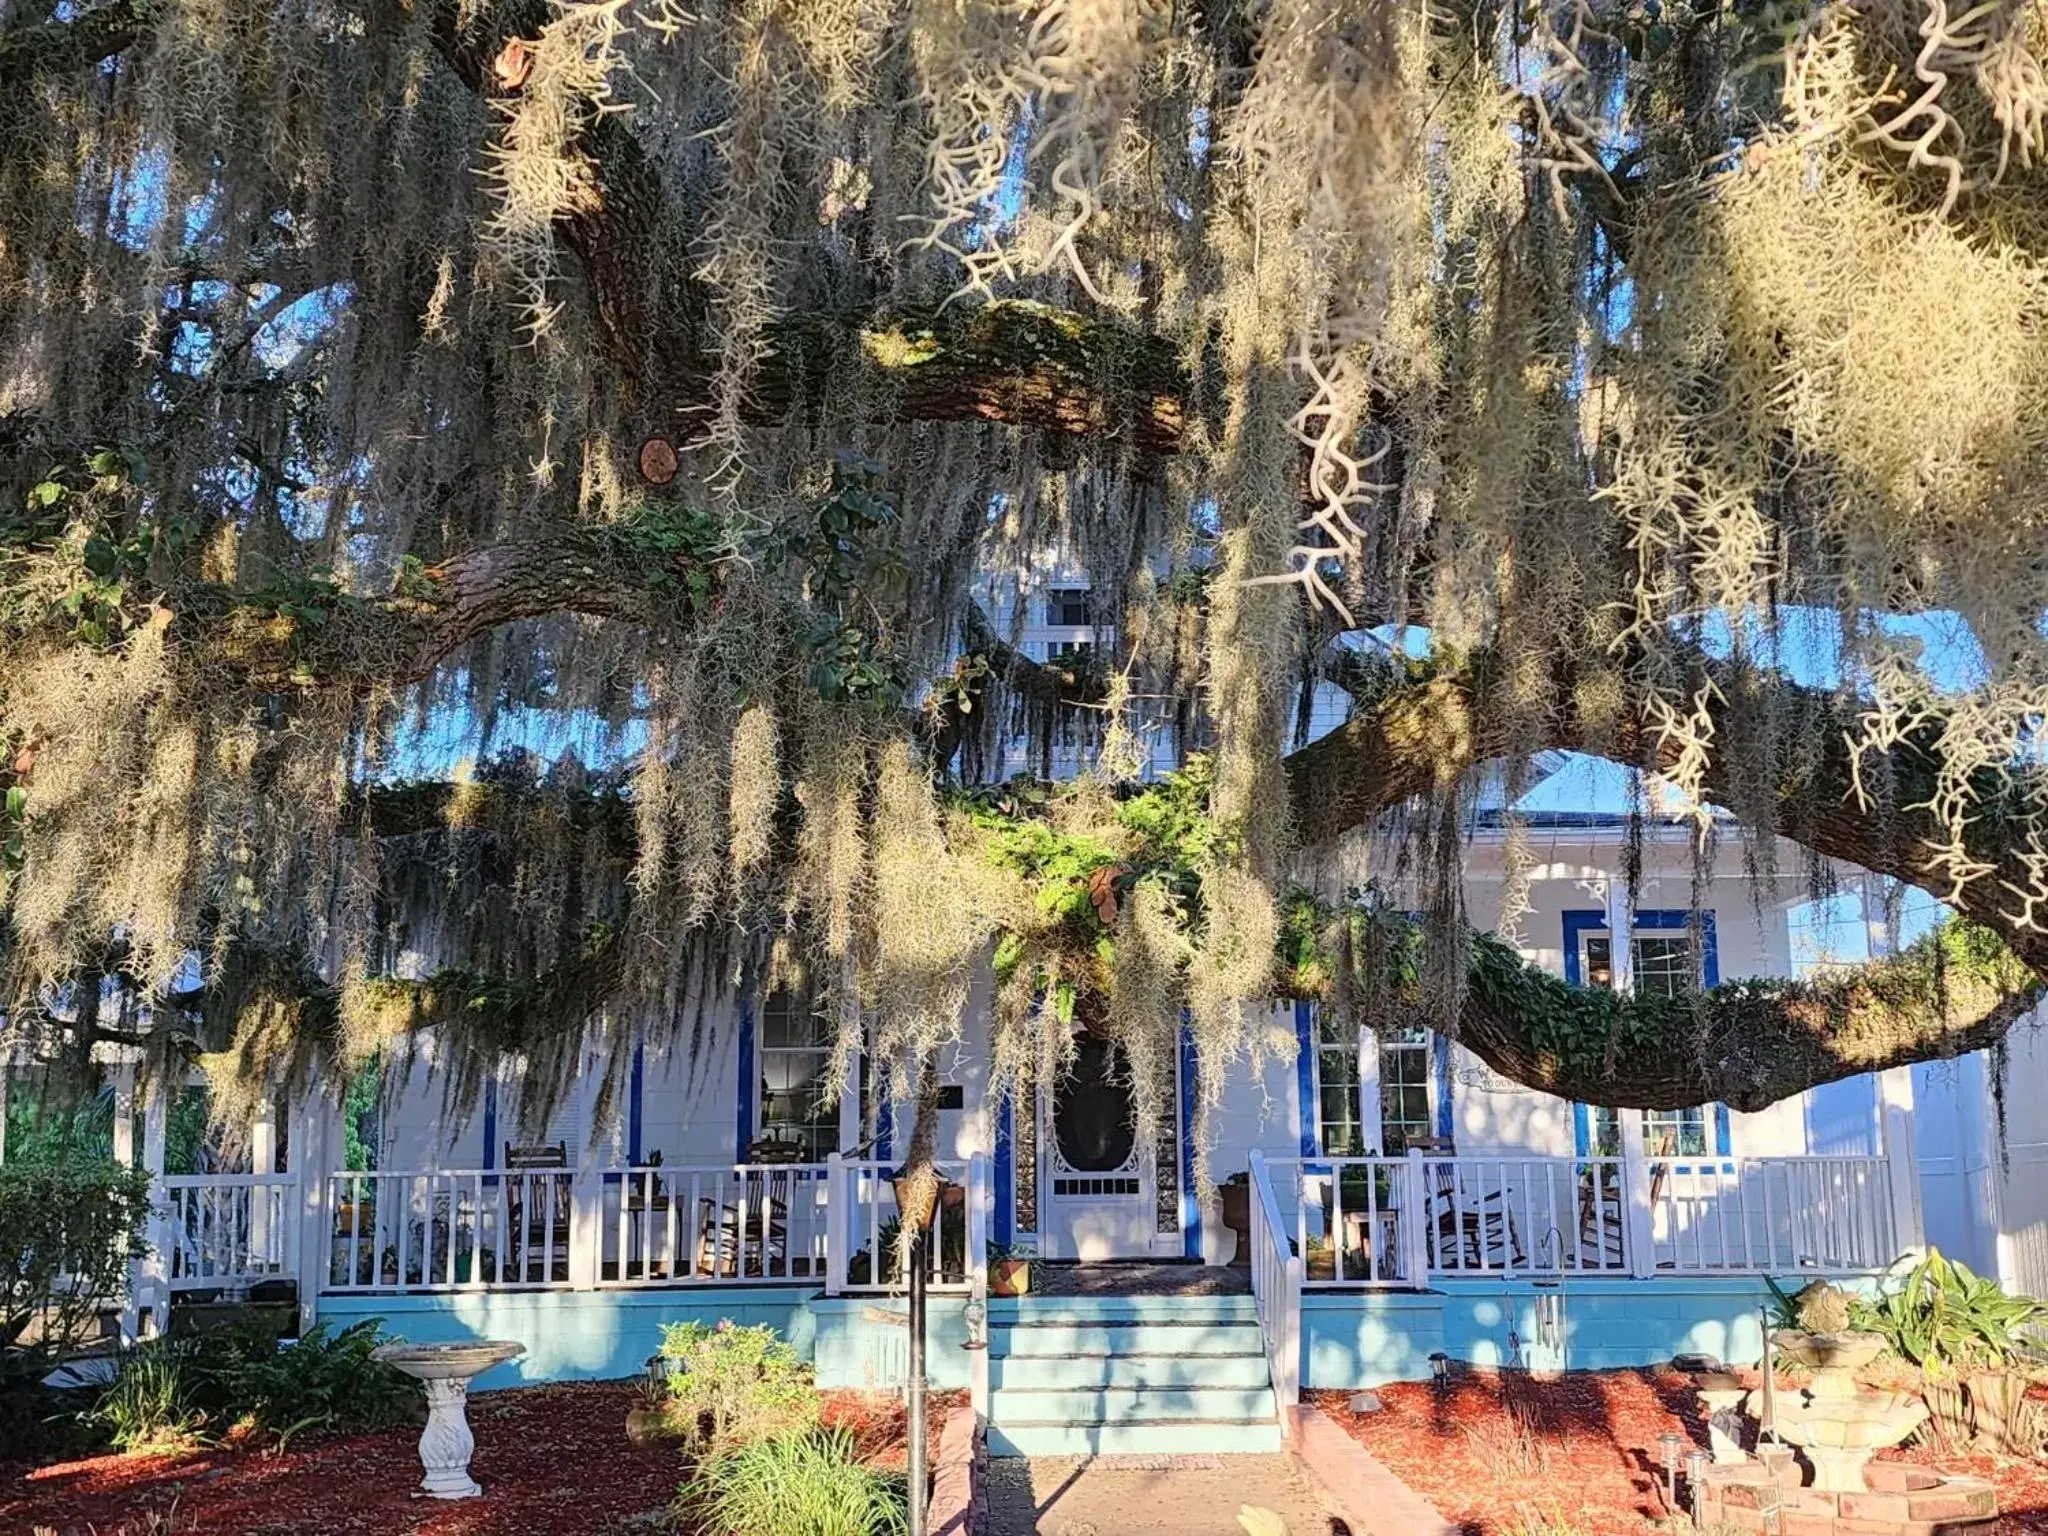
1838	1423
445	1371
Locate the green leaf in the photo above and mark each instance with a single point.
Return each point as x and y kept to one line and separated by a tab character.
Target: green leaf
46	493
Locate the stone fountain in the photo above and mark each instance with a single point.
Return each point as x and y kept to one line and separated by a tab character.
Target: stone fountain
1836	1422
1839	1424
445	1371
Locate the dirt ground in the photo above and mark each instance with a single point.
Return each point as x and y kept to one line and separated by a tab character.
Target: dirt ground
1496	1453
1151	1496
553	1461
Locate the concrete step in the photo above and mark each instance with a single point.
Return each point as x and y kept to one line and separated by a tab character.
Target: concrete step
1127	1405
1167	1437
1152	1337
1081	1372
1034	1310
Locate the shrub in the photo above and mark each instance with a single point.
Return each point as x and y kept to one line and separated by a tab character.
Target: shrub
728	1384
238	1378
67	1232
794	1485
152	1401
1942	1316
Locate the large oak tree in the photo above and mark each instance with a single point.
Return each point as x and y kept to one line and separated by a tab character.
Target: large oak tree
499	499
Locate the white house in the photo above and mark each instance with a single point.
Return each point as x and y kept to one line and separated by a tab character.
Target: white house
1397	1198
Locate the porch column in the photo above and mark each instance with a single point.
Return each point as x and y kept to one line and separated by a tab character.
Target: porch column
1901	1157
124	1154
314	1149
153	1287
6	1098
586	1193
266	1237
838	1202
1635	1178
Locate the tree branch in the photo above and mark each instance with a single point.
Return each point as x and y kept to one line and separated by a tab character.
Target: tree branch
86	39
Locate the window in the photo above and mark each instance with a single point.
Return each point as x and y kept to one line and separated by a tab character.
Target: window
1675	1132
1067	606
1404	1088
796	1060
1666	1132
1337	1090
1059	648
1661	963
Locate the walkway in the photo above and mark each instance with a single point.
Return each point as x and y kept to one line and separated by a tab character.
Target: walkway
1152	1496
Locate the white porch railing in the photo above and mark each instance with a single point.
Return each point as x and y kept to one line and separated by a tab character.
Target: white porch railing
464	1229
1526	1215
865	1226
1276	1291
227	1229
1770	1215
1399	1222
1352	1219
714	1224
1341	1221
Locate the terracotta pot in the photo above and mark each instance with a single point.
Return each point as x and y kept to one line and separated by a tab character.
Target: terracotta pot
1009	1277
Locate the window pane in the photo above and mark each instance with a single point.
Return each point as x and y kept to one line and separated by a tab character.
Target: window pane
1675	1132
1603	1126
1599	968
1663	965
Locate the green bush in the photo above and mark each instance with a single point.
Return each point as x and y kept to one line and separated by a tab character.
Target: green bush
67	1232
728	1384
1943	1317
151	1402
239	1379
794	1485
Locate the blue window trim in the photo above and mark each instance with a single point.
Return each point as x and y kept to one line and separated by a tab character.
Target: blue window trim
1305	1081
744	1121
1446	1120
1005	1173
1578	921
636	1089
1190	1202
491	1123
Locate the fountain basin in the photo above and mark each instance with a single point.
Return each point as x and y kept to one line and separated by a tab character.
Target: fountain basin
445	1372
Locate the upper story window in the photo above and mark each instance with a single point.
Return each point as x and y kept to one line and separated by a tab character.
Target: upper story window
1067	607
796	1060
1661	964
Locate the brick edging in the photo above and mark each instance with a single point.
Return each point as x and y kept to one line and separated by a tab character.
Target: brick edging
1371	1499
959	1502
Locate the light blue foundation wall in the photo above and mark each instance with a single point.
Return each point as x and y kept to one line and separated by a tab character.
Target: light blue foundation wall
1350	1340
1365	1340
863	1341
574	1335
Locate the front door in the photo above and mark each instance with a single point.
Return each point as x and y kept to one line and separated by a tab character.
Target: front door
1100	1201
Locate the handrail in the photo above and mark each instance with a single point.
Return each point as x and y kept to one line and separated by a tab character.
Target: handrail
980	1199
1276	1292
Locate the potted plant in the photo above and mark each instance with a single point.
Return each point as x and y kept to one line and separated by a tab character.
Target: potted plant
1009	1271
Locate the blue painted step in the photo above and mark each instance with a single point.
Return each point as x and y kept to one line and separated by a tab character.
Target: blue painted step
1128	1375
1125	1338
1170	1437
1126	1405
1080	1372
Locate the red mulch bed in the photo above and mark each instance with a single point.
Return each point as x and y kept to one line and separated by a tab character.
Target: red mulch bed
553	1461
1591	1457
